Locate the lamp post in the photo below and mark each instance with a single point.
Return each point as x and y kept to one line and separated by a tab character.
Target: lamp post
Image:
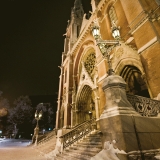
117	107
106	46
90	114
37	116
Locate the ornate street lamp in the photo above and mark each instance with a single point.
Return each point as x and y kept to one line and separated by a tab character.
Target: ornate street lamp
90	114
106	46
115	31
96	31
37	116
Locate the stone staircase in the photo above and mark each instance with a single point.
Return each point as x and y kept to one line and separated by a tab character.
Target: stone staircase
86	148
47	144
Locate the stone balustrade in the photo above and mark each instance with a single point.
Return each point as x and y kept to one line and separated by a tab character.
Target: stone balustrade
145	106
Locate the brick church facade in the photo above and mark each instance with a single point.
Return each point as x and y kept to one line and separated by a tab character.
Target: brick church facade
84	67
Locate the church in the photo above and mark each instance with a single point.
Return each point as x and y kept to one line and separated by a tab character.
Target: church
110	77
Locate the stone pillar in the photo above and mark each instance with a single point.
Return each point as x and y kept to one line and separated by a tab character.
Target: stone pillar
116	121
59	97
94	4
96	107
72	118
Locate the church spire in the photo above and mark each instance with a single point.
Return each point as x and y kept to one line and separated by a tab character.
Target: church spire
77	11
77	3
74	25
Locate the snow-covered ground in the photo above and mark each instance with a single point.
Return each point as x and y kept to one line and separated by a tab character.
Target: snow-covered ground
18	150
17	153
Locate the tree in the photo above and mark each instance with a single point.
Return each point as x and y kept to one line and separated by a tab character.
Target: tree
4	106
21	115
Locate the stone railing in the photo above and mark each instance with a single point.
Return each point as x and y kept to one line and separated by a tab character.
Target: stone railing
145	106
47	137
77	133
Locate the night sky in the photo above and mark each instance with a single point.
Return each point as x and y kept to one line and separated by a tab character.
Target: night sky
31	33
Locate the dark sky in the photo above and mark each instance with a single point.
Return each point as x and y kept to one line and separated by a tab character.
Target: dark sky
31	33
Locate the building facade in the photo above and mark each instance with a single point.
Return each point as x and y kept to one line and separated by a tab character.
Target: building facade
84	68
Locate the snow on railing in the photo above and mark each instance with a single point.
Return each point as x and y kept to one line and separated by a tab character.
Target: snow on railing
48	137
77	133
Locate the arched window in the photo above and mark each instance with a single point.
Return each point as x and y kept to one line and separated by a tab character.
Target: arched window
112	15
89	63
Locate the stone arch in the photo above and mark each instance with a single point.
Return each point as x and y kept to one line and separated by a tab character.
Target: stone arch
135	82
126	63
108	6
87	52
87	45
85	103
132	72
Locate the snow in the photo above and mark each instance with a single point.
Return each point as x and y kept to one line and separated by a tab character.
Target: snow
20	153
56	151
109	152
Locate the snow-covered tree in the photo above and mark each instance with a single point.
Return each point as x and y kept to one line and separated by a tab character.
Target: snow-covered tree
20	116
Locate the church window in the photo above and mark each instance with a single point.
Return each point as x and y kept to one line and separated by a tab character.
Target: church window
112	15
90	63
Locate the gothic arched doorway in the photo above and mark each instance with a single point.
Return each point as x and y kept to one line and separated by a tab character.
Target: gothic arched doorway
135	83
85	104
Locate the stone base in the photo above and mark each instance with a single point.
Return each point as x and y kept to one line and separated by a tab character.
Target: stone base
121	129
131	133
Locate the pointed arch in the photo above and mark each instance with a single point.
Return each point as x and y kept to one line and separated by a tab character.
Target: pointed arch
85	99
135	82
87	46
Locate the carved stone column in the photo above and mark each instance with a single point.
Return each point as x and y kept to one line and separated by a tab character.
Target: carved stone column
96	107
59	98
73	112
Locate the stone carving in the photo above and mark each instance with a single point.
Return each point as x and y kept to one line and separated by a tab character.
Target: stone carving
85	77
119	53
89	63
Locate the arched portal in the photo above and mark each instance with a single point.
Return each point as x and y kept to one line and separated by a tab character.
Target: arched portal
135	83
85	104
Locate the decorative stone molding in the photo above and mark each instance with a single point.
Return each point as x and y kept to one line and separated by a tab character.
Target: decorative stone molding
125	55
85	77
89	63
